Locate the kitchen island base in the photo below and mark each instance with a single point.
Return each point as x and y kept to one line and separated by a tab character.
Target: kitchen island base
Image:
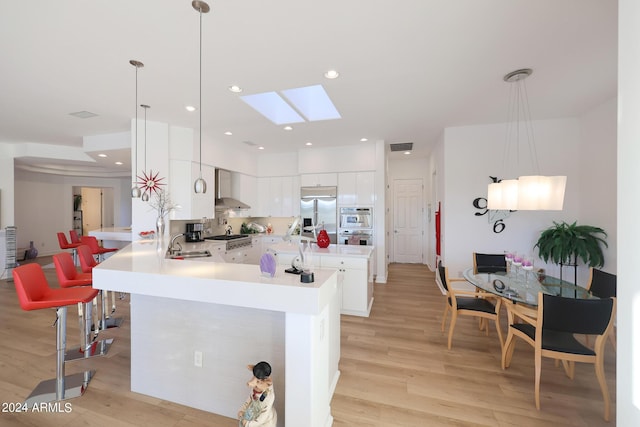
196	325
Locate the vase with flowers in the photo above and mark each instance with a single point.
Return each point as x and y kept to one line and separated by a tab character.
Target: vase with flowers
163	205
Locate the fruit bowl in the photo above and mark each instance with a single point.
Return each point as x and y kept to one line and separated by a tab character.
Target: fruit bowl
147	235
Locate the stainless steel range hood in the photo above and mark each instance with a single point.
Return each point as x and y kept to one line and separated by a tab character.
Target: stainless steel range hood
223	192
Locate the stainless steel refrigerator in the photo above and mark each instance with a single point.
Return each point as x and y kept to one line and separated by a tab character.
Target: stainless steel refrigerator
318	210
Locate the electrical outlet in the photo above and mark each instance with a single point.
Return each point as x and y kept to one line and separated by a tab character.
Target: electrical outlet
197	359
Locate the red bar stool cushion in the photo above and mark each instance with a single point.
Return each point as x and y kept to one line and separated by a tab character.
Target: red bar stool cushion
87	261
34	292
95	247
64	243
68	275
74	236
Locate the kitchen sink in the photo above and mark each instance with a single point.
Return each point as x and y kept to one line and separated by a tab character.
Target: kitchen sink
189	254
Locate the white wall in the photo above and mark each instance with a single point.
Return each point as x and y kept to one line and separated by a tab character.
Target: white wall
628	206
598	180
44	206
471	155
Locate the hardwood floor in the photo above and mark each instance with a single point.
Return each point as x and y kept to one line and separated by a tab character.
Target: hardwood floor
395	371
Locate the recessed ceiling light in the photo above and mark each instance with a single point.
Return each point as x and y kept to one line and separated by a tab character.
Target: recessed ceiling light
83	114
261	148
331	74
308	144
235	89
288	128
229	133
102	155
363	139
190	108
407	152
119	163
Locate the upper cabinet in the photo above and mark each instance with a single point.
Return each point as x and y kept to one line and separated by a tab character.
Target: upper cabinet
356	188
245	189
319	179
192	206
278	196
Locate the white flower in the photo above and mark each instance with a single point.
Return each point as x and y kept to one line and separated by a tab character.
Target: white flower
162	203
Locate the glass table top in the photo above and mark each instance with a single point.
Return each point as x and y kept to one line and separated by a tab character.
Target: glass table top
525	287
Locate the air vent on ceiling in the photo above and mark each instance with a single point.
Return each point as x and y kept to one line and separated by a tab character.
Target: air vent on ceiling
251	143
403	146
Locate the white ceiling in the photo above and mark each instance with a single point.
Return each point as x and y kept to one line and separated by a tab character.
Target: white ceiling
408	68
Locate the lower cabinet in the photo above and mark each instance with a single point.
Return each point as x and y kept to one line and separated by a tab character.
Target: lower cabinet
357	285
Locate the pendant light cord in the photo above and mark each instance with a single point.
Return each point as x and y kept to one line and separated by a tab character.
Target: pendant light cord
200	101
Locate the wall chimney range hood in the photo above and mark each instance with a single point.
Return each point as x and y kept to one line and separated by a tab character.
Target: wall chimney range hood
223	192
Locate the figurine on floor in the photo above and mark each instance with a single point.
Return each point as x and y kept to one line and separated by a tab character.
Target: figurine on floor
258	410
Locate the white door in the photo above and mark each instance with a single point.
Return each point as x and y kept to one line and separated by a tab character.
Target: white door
408	225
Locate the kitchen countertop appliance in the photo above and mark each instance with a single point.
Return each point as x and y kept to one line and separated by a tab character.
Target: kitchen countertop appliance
318	210
193	232
234	241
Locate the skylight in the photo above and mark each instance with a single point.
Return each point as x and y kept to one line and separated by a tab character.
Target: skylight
273	107
312	102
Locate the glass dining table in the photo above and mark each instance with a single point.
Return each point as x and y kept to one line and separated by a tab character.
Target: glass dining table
524	288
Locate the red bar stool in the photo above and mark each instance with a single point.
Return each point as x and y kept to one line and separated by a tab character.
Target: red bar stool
34	293
96	249
74	236
87	262
64	244
68	277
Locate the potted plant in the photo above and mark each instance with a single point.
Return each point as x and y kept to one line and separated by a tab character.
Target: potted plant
564	243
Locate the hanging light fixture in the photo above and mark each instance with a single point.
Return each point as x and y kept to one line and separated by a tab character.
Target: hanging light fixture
145	194
135	190
200	185
527	192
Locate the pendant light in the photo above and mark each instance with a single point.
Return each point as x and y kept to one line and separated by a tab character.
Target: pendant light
200	185
135	190
527	192
145	194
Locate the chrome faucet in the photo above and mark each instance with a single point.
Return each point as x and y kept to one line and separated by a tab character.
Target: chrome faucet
170	249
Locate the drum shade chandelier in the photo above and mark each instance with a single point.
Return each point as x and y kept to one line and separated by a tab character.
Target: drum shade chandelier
135	190
200	185
527	192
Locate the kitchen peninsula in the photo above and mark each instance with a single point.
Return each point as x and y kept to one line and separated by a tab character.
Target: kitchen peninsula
196	324
113	237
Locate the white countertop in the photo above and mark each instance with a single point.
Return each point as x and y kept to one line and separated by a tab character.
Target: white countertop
112	233
141	268
292	247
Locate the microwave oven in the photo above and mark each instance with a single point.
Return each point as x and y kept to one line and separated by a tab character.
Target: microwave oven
355	218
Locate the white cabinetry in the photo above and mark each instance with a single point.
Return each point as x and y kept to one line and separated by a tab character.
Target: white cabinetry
319	179
357	285
356	188
278	196
245	189
183	174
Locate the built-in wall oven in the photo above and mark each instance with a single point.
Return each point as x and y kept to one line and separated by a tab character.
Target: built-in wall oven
356	226
355	218
356	237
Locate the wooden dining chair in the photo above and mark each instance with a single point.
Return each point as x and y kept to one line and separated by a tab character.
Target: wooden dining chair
603	285
468	303
551	333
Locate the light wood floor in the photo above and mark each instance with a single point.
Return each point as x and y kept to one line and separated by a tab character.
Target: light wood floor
395	371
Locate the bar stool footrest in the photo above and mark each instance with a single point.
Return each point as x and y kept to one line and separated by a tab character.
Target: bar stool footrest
111	322
74	386
98	348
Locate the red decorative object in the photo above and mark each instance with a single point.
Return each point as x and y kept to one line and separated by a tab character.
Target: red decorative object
150	182
323	239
